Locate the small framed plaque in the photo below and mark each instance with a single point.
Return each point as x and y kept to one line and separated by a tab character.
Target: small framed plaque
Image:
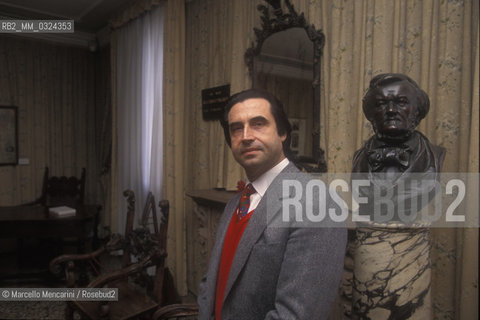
8	135
213	102
297	144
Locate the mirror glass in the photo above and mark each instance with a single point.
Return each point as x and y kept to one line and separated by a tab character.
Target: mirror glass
284	67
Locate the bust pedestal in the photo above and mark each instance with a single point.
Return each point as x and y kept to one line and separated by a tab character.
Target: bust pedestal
392	273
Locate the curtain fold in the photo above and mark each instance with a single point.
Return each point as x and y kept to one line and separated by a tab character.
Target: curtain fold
175	139
467	277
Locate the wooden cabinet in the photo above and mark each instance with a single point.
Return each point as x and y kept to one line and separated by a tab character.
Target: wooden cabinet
202	225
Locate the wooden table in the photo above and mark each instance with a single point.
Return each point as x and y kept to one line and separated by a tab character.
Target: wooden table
34	222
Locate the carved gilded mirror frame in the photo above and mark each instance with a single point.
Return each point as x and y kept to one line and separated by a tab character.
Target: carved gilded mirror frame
282	21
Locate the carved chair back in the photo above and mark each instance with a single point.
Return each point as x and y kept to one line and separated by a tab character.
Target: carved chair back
58	191
150	209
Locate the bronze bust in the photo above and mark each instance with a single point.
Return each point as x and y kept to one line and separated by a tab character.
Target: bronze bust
397	156
395	104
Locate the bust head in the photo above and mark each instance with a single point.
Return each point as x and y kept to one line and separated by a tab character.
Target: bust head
395	105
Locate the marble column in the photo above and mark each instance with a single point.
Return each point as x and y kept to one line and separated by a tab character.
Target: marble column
392	273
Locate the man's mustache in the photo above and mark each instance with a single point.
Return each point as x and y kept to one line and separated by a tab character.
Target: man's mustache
250	147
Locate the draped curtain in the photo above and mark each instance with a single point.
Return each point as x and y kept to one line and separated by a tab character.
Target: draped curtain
218	34
434	42
139	84
59	117
169	130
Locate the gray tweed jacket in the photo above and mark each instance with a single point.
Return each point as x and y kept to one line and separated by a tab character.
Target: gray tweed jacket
277	272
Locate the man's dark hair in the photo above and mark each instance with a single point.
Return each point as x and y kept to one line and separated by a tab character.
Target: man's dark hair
387	78
276	108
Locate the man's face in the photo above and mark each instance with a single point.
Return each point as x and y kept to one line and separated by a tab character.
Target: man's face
394	110
256	144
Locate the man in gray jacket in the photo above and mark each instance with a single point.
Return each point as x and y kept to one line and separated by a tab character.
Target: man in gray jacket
259	269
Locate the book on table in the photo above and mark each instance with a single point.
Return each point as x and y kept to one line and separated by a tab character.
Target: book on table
62	212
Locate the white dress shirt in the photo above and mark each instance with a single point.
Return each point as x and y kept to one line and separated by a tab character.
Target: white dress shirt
262	183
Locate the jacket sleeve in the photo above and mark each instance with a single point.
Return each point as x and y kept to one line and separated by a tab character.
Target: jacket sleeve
310	273
202	299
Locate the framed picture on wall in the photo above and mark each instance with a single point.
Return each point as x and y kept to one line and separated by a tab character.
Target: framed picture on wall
297	144
8	135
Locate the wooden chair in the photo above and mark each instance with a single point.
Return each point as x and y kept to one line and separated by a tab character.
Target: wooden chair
56	191
176	311
61	191
150	210
139	293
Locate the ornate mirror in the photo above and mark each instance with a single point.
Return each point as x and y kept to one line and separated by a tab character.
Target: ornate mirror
285	60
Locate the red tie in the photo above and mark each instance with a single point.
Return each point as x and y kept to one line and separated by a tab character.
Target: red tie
244	202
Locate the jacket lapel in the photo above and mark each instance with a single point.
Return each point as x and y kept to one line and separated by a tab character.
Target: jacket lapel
256	225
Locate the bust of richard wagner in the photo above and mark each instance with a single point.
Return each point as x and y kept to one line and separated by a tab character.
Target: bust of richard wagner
395	104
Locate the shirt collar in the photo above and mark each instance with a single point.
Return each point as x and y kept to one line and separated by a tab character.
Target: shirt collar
262	183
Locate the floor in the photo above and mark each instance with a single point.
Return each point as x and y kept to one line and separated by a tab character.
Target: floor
12	275
32	310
